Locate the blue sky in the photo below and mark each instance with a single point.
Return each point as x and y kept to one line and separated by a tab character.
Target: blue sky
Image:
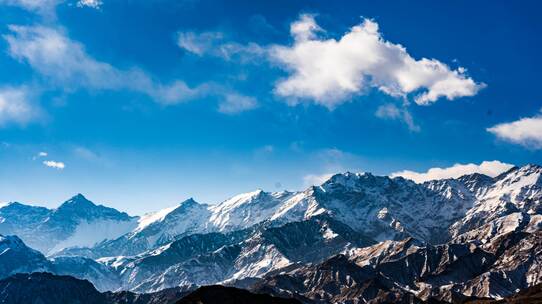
142	104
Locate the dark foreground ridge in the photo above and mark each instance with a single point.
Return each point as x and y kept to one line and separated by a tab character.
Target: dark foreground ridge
531	295
47	288
231	295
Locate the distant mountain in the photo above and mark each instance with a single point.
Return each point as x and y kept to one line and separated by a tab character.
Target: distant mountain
379	207
77	222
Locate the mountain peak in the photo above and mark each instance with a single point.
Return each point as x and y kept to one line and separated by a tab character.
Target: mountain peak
189	201
79	207
354	181
78	200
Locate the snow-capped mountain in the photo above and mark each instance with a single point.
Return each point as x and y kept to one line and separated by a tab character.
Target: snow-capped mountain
254	236
201	259
377	206
512	201
76	222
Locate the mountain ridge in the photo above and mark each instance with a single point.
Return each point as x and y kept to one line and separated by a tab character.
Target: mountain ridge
375	223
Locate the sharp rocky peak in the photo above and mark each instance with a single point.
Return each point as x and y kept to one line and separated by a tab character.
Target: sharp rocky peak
189	202
78	200
348	179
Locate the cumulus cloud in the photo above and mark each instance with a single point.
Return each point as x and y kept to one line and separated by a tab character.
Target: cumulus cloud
16	105
391	111
54	164
96	4
316	179
525	131
329	71
235	103
490	168
65	62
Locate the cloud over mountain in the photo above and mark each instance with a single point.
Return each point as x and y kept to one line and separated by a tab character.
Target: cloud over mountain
490	168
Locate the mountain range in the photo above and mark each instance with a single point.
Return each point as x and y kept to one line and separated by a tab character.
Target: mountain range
356	238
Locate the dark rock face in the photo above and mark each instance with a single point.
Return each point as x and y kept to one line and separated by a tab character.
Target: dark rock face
229	295
46	288
531	295
405	271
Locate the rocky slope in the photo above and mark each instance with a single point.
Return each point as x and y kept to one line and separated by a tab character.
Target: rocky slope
449	273
202	259
16	257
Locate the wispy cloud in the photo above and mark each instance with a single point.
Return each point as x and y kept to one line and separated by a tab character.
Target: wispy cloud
330	71
54	164
17	106
40	155
43	7
525	131
490	168
65	62
316	179
391	111
236	103
215	44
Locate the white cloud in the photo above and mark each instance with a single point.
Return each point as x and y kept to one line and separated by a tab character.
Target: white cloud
16	105
40	155
199	43
215	44
330	71
305	28
235	103
316	179
96	4
391	111
65	62
39	6
54	164
525	131
490	168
